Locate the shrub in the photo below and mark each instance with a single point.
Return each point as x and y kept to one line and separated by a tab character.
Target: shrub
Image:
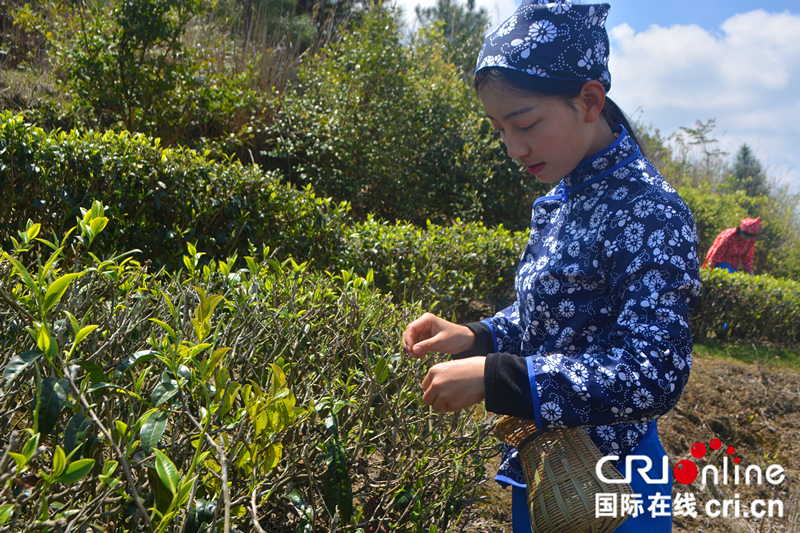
755	308
215	398
446	268
159	198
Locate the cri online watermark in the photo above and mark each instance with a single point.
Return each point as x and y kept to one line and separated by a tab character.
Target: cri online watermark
685	472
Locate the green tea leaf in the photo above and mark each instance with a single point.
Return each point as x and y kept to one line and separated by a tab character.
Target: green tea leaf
43	339
332	425
30	446
153	429
278	379
184	491
132	360
213	362
32	230
94	371
52	402
20	459
25	275
84	332
122	428
57	290
59	461
274	454
98	224
76	471
76	431
6	511
162	496
111	386
167	472
18	364
46	269
166	327
164	391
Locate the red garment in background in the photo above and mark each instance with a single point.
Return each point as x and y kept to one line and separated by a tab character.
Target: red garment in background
730	247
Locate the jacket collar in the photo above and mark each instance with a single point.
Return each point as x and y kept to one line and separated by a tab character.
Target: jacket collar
611	158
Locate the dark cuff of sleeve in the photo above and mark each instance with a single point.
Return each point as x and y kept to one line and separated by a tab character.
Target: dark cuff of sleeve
484	342
507	386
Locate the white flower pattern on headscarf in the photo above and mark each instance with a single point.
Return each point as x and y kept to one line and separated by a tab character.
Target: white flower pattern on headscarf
558	40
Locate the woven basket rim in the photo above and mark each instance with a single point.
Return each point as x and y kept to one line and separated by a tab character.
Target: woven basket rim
515	431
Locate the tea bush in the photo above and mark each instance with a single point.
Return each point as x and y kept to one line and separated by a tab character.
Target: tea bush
158	198
267	397
446	268
751	308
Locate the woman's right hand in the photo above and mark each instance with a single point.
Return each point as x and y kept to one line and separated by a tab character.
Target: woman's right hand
430	333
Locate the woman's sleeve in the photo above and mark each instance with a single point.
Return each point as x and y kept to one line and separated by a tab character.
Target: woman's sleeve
717	250
506	330
641	373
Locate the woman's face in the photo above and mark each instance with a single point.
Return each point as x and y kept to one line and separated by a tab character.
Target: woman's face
547	135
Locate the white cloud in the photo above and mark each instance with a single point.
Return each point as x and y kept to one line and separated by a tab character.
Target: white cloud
746	76
499	10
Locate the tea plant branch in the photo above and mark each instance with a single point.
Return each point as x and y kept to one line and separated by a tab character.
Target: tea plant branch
98	502
10	447
223	464
57	524
125	466
254	510
14	305
120	332
220	449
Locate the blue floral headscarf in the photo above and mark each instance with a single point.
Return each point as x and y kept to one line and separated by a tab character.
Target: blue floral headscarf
554	42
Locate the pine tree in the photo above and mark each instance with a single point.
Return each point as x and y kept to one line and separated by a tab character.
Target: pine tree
748	174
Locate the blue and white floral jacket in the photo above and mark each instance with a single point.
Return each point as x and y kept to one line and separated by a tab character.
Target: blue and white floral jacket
604	291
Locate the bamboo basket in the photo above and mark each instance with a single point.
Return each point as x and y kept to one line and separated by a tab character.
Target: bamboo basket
559	468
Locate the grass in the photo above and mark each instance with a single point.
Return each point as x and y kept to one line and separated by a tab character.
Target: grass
763	354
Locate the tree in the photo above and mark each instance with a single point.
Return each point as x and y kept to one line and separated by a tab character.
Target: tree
462	27
748	174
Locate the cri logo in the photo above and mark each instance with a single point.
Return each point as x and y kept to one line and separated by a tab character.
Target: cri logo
686	471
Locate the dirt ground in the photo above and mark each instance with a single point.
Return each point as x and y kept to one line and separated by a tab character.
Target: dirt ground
753	409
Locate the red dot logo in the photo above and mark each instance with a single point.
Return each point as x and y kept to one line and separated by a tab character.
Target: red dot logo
737	460
730	450
698	450
715	444
685	472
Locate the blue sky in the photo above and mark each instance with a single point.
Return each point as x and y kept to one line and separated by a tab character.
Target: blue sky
708	14
674	63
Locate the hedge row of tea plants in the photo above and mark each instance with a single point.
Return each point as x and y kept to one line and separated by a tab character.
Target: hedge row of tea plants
747	308
269	397
463	271
161	199
158	199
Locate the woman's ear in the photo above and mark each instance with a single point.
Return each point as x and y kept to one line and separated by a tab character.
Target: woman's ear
592	98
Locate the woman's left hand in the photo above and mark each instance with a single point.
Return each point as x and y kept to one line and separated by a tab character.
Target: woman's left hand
454	385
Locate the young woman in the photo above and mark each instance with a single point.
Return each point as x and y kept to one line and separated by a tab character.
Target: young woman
599	335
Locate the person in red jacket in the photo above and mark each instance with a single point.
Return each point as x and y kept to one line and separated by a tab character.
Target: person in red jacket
735	245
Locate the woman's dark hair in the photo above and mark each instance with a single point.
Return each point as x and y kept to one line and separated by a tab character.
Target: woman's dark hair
527	84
